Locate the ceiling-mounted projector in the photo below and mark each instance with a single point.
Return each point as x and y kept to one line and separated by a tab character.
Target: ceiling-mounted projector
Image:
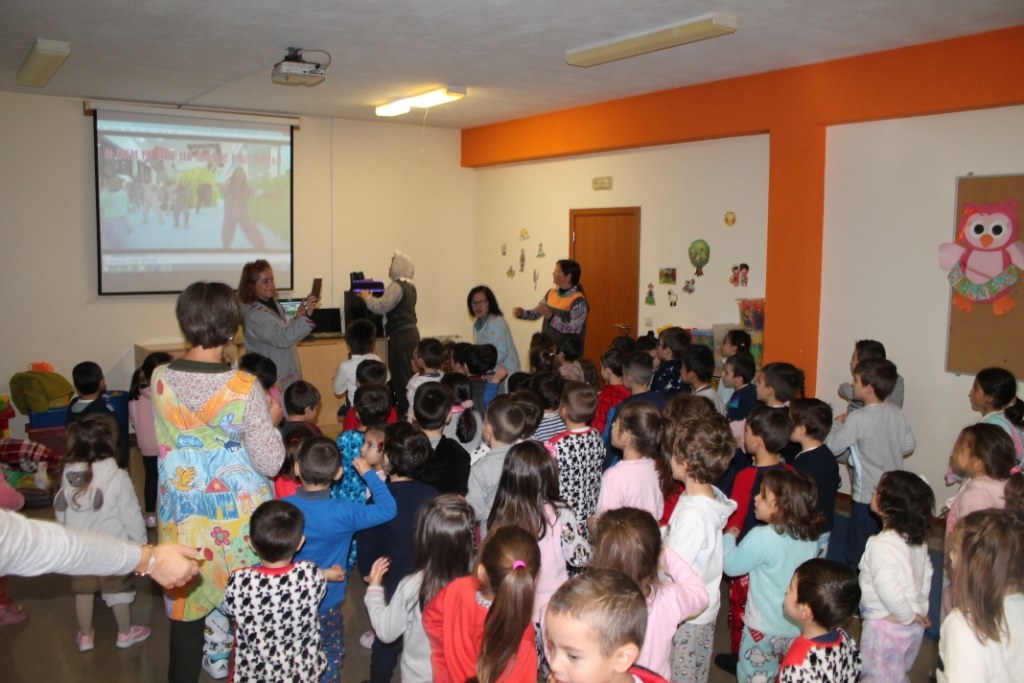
294	70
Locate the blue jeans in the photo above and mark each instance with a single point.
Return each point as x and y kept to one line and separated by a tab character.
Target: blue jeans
863	525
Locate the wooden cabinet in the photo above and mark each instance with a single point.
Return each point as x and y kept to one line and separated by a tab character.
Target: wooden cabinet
320	359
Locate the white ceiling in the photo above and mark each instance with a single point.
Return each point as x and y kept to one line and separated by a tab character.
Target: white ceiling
509	53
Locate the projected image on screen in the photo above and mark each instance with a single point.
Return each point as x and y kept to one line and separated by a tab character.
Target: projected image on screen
183	199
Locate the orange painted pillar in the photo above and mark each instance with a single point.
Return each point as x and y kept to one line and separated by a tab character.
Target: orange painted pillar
796	190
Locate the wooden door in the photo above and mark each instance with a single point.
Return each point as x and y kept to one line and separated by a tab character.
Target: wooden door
606	243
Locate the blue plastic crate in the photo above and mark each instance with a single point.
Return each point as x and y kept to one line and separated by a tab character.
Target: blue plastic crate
54	417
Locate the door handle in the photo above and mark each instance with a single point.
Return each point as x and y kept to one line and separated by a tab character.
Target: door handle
625	327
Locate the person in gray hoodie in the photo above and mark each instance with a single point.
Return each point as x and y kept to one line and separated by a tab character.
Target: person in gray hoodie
398	306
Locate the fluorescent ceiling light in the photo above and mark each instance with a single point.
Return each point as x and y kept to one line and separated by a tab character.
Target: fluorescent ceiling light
427	99
689	31
42	62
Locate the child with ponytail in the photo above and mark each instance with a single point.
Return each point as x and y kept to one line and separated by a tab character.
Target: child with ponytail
643	478
466	425
994	395
481	625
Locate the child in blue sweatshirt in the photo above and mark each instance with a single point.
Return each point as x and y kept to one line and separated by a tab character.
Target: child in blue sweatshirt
330	525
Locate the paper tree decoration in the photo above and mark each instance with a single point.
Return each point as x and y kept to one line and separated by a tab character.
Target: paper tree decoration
700	254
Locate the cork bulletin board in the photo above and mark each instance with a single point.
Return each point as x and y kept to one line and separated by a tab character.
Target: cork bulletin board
985	262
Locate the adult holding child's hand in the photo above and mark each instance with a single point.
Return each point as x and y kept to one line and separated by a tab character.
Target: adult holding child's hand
33	547
564	308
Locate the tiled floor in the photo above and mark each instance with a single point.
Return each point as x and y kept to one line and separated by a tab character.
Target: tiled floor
43	650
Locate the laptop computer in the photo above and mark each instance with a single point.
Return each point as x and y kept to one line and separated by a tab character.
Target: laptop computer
328	323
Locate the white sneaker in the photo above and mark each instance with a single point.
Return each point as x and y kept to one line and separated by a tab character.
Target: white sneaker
216	668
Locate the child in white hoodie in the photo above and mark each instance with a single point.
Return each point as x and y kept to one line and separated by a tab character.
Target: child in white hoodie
701	451
98	497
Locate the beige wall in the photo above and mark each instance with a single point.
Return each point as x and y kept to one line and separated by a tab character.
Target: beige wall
683	192
361	190
889	202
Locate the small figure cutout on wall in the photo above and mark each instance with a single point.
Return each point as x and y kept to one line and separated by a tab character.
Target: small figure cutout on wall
734	276
511	272
690	286
540	250
649	299
524	235
666	276
673	298
536	277
730	218
504	249
522	260
744	271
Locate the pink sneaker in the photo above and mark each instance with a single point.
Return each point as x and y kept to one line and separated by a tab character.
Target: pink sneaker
83	641
150	520
12	614
136	634
366	640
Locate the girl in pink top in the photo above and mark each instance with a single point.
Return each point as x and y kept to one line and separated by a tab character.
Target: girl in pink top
984	456
527	497
643	478
140	413
629	540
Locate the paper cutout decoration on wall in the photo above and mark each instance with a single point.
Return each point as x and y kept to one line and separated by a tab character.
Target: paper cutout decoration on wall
700	254
649	299
738	276
536	276
524	235
673	298
511	272
504	248
690	286
540	250
667	276
522	260
730	218
985	260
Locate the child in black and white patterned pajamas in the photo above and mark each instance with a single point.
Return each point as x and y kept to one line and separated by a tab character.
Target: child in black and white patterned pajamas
274	605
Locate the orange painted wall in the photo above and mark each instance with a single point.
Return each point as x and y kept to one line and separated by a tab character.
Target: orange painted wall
794	106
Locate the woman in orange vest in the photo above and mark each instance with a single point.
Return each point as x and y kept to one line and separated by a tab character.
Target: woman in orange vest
564	308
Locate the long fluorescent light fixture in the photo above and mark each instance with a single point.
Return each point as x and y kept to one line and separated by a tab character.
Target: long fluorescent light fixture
42	62
427	99
689	31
